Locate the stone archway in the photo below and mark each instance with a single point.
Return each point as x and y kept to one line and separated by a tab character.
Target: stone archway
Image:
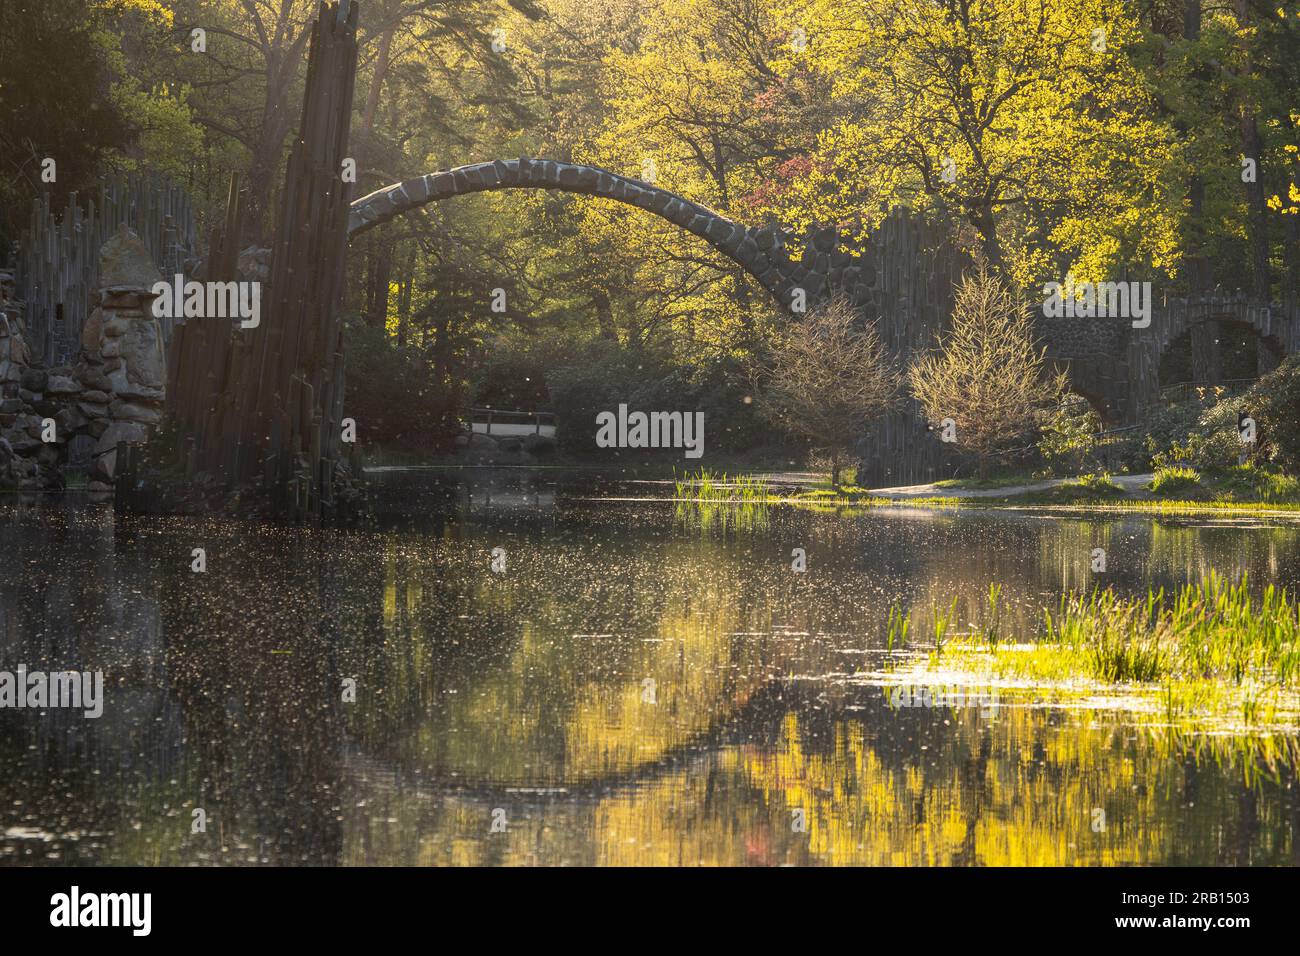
822	270
1219	350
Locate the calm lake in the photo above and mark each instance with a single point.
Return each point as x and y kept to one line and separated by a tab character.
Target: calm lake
632	686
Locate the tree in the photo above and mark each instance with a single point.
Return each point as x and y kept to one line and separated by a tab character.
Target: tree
1027	120
987	377
830	375
55	102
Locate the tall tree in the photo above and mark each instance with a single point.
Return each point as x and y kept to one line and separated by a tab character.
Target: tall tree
830	378
987	378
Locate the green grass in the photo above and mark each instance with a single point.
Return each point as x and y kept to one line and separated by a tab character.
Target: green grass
1248	482
983	483
718	488
1176	482
1213	629
708	501
1088	489
1211	647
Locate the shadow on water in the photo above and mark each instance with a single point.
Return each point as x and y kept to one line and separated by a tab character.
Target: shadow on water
629	687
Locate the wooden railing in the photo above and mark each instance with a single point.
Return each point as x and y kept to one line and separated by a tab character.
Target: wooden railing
511	416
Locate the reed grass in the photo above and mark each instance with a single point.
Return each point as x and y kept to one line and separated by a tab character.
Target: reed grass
719	488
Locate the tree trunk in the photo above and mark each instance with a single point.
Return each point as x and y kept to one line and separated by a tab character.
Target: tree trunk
378	316
377	81
1252	147
404	299
1200	277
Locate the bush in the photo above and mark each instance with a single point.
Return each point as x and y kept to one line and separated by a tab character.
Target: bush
1274	402
1213	443
511	379
604	375
393	396
1068	443
1176	482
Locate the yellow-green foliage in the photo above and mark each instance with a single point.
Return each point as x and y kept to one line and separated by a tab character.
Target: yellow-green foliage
1176	481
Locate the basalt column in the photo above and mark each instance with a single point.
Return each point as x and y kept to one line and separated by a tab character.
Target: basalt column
289	394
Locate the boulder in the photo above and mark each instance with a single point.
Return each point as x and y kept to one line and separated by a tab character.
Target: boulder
130	432
62	385
34	379
69	419
539	445
93	378
103	466
92	331
126	387
146	363
125	264
130	411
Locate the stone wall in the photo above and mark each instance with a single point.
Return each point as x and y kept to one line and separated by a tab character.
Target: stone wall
112	394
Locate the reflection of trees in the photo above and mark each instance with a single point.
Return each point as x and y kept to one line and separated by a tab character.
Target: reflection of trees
225	693
1017	791
251	658
1187	552
551	673
1022	793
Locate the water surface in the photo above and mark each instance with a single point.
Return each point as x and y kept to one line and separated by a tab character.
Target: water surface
633	688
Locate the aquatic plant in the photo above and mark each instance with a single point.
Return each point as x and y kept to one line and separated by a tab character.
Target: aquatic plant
706	486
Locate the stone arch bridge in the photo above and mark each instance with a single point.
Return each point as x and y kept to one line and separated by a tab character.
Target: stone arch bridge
902	276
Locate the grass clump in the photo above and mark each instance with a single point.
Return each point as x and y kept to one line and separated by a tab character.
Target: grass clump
1176	482
707	486
1212	630
1088	489
1008	481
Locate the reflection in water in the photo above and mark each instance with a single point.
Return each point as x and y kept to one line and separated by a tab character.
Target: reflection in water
633	689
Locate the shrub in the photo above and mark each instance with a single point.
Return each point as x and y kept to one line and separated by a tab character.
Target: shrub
1068	443
392	394
1176	482
603	374
512	379
1273	402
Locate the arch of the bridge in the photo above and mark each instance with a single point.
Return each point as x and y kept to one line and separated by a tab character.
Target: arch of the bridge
1272	324
823	268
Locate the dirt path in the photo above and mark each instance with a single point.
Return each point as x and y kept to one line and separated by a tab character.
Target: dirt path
1132	484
